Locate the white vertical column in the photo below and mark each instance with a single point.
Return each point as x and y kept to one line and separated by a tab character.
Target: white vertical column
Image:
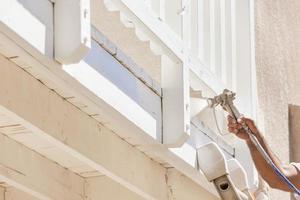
233	45
186	13
147	3
204	31
226	43
212	35
72	30
215	39
175	97
194	27
162	12
155	6
173	15
242	54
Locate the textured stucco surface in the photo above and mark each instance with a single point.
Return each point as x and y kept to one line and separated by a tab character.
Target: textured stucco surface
277	32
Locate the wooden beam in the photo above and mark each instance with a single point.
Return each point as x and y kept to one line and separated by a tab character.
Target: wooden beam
181	187
12	193
46	113
52	75
102	188
49	115
30	182
32	173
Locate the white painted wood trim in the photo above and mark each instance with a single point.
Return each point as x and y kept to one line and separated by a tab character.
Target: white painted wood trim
18	15
126	61
175	103
172	44
112	96
68	87
72	30
93	142
50	73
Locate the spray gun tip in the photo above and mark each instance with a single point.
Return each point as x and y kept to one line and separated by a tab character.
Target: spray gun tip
210	102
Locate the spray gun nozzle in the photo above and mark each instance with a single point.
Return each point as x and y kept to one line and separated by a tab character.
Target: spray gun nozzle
226	101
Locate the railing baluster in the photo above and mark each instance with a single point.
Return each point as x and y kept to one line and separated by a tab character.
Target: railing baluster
209	31
155	6
173	15
187	23
215	30
242	53
212	35
204	31
226	42
194	35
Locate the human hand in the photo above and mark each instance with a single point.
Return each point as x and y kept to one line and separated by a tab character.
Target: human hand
237	128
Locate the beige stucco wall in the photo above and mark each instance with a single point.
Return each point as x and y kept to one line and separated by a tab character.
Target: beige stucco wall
277	31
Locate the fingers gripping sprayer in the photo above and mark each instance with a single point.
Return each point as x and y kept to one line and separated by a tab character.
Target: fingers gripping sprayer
226	101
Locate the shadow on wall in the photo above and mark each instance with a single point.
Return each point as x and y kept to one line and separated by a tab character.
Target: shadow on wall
294	132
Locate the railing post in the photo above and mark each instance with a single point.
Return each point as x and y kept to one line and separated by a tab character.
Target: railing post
175	100
72	30
204	31
173	11
226	42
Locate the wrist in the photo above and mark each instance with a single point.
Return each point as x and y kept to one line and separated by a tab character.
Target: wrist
259	137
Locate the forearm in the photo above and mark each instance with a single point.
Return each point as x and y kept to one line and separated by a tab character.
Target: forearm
263	167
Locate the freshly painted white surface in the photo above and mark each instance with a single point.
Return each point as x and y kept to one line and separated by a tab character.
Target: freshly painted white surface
92	80
31	20
148	124
238	174
80	135
212	161
175	102
100	73
72	30
187	153
54	78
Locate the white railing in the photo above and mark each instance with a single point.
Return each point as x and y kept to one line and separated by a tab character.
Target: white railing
212	38
215	34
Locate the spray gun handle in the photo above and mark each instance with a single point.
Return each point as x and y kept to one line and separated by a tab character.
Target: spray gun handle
232	110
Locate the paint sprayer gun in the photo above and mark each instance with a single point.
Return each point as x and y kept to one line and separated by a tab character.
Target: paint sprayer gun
226	101
228	176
